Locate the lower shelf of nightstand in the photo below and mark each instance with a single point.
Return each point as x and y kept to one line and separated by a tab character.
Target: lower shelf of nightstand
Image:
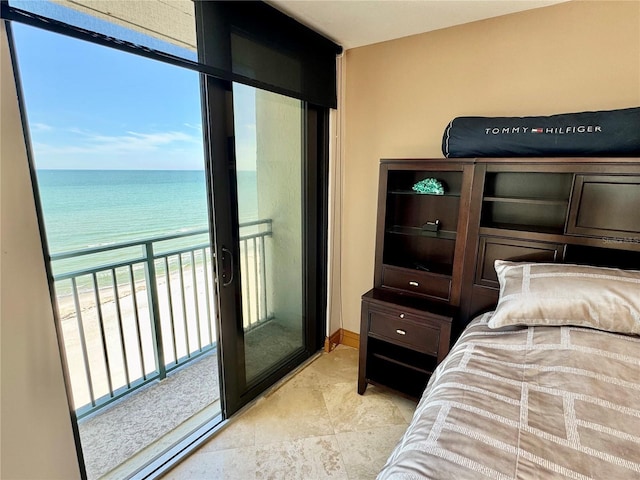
398	368
399	363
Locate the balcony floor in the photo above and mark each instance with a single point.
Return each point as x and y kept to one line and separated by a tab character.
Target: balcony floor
138	427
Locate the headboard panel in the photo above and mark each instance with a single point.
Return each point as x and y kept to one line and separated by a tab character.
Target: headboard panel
568	210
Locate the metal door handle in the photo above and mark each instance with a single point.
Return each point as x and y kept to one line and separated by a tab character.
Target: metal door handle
228	282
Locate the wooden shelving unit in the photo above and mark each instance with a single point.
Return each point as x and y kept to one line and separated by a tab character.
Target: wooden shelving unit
404	331
429	283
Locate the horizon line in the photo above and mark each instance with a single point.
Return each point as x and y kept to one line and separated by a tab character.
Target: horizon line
135	169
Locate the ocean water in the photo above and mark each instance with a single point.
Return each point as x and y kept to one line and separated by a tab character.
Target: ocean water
92	208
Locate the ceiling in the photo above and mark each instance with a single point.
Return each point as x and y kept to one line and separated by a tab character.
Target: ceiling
354	23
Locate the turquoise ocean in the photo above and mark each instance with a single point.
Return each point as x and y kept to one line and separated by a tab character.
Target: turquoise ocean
95	208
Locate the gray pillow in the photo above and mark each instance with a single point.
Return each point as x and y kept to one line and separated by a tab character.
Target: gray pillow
560	294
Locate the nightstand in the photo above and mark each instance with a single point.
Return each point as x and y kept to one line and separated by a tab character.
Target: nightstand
402	340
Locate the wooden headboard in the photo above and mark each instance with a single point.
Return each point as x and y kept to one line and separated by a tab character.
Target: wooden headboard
442	248
569	210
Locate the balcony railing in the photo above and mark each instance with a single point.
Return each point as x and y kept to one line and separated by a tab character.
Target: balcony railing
132	312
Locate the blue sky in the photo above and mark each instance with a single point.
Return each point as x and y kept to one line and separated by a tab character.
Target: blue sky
92	107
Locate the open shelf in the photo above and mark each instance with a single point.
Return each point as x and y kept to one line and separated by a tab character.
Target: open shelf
529	185
407	244
527	201
401	182
548	216
420	232
400	363
399	368
428	267
504	229
410	251
417	194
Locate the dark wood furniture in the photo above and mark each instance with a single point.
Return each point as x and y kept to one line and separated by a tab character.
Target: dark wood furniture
407	318
405	338
568	210
411	258
430	284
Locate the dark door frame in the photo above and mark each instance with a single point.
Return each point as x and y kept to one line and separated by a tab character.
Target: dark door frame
217	97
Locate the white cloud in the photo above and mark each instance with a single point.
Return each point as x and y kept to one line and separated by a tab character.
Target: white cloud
193	127
40	127
129	143
81	149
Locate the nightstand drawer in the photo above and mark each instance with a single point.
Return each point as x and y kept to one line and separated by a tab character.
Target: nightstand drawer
415	281
401	330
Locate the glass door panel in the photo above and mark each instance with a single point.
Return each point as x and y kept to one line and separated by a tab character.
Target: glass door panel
119	160
269	174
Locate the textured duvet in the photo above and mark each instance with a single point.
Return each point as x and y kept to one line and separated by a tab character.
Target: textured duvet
527	403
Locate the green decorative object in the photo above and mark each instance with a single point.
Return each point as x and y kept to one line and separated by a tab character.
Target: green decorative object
429	186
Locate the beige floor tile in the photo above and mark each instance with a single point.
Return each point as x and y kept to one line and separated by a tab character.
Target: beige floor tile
406	406
315	426
365	453
290	413
309	459
239	433
232	464
350	412
339	366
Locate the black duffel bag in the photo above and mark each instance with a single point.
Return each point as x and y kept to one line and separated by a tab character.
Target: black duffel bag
603	133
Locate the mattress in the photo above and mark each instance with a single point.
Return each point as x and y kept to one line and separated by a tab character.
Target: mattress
527	403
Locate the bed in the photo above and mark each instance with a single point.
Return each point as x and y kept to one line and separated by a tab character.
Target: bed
545	386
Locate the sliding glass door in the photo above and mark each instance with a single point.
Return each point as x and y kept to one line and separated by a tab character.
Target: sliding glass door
183	218
266	206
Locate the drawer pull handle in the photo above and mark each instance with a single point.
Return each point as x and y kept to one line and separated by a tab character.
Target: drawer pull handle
414	284
402	315
401	332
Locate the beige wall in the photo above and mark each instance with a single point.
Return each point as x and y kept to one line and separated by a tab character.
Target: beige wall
36	436
400	95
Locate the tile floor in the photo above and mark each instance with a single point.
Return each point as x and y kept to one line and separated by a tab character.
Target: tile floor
314	426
